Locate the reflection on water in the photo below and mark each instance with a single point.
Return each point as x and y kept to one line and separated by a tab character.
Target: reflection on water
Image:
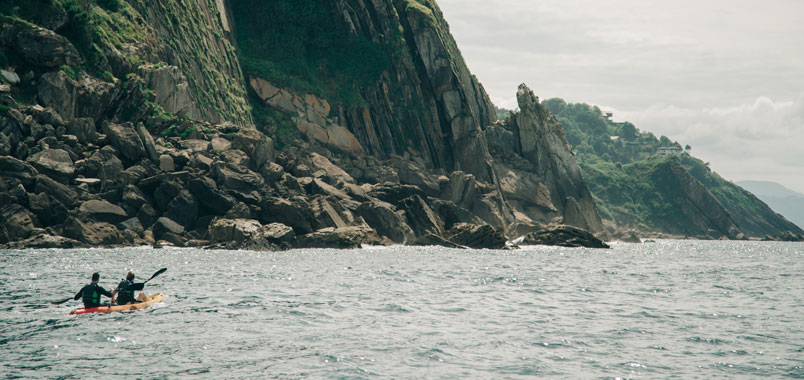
674	309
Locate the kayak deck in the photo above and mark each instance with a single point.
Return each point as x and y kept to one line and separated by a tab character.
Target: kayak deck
152	299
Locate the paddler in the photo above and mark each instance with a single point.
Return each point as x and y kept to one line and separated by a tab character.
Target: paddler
91	293
125	291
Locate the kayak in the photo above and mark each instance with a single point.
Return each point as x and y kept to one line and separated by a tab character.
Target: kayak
152	299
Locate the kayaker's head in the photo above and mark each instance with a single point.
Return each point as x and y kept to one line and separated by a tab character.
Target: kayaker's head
95	277
130	276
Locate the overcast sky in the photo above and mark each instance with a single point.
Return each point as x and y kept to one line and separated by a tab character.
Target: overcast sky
724	76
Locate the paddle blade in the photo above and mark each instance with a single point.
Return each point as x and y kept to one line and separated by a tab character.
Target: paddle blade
163	270
59	302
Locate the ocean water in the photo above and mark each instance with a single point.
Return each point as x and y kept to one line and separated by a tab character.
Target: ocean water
664	310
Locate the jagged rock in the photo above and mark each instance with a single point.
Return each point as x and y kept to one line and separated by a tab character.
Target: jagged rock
64	194
102	211
5	145
237	230
56	163
564	236
209	196
240	211
481	236
46	116
410	174
147	142
166	191
133	197
132	224
104	165
126	140
183	209
17	223
461	189
58	91
278	233
394	193
295	213
325	214
14	168
166	163
243	183
95	234
380	174
48	211
429	239
147	215
164	226
84	129
341	238
46	241
382	217
258	147
323	167
171	88
420	217
220	145
43	47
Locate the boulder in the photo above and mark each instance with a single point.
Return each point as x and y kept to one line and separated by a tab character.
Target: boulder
383	217
49	211
294	212
476	236
84	129
105	165
5	145
126	140
44	48
279	234
46	241
163	226
563	236
183	209
14	168
394	193
147	215
220	145
420	217
58	91
323	167
325	214
133	197
209	196
132	224
94	234
17	223
258	147
147	142
56	163
236	230
166	163
64	194
102	211
243	183
340	238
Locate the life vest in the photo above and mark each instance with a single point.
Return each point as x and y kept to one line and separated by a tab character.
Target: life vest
124	295
91	296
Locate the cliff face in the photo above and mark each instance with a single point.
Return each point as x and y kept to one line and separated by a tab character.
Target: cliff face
127	122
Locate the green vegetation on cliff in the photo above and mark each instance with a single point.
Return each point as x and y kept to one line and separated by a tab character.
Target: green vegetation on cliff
636	187
299	44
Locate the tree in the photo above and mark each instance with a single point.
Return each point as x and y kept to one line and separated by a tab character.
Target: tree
629	131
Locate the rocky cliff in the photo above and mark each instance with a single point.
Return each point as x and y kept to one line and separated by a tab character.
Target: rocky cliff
127	123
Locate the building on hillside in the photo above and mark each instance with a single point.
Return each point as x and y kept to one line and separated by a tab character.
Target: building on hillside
665	150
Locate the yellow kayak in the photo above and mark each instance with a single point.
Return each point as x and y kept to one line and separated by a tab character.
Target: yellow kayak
150	300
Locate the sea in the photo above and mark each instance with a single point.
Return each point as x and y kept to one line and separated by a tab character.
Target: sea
661	310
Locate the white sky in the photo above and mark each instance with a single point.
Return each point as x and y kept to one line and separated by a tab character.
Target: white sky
724	76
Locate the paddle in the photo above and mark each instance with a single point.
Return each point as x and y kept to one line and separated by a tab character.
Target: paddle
59	302
141	285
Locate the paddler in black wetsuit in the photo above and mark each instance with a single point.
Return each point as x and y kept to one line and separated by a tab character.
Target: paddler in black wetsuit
124	291
91	293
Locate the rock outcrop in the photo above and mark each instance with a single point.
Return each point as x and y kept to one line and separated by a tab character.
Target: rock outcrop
155	144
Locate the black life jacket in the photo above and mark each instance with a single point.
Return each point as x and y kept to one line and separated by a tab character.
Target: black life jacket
91	296
124	295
